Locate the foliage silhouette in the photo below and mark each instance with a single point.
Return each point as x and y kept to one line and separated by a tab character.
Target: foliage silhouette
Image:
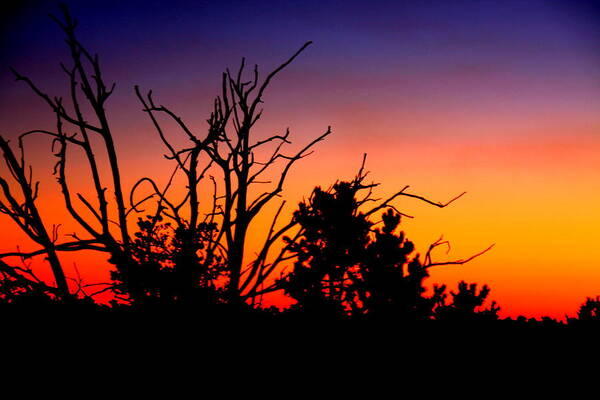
467	305
588	314
171	266
347	267
589	310
23	289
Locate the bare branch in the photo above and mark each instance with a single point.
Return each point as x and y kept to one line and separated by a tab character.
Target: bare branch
456	262
301	154
258	98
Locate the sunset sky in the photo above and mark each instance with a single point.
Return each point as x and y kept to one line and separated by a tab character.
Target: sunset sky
500	99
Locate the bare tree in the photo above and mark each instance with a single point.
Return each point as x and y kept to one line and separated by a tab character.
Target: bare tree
74	132
22	209
231	151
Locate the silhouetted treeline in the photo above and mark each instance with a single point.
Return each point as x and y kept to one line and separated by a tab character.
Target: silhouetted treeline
347	271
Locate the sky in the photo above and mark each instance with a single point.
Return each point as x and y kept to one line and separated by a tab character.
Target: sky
498	99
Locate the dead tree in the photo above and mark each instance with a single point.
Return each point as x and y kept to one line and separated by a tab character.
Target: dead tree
74	132
230	150
23	210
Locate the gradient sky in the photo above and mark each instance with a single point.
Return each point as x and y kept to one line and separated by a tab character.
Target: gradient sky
497	98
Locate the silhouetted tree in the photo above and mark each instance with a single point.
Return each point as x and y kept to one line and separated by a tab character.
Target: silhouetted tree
467	305
88	94
231	151
590	310
332	244
23	210
588	313
346	266
171	266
